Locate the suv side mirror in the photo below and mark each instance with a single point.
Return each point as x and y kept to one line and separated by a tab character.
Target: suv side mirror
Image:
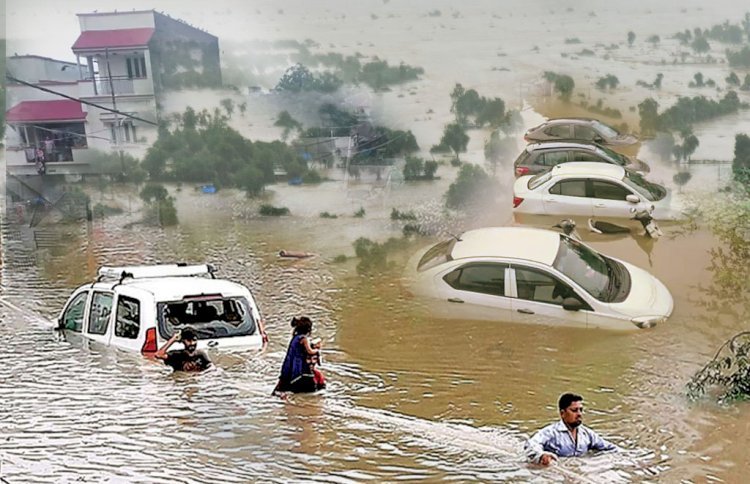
572	304
633	198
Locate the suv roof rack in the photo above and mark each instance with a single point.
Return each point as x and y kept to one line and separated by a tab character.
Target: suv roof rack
158	270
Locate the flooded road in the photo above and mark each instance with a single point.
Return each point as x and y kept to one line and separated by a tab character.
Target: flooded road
410	397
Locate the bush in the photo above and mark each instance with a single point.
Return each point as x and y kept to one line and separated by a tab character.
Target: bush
472	185
328	215
101	210
340	259
359	213
272	211
311	177
396	215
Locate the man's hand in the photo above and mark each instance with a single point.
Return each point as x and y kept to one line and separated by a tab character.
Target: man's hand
547	458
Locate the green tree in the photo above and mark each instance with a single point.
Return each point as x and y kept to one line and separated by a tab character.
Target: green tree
733	79
286	121
455	138
413	168
631	38
700	45
741	161
228	106
493	151
473	185
649	113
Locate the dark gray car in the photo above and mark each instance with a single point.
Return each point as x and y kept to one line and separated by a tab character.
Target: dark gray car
584	129
537	157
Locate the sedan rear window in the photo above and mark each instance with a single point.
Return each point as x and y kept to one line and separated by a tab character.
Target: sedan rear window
209	317
437	255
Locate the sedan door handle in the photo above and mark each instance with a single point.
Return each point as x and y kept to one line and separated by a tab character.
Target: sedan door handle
599	205
525	311
455	300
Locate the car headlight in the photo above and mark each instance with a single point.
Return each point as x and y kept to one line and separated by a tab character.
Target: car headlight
644	322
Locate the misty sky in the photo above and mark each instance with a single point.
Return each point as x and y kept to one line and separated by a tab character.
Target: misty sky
49	27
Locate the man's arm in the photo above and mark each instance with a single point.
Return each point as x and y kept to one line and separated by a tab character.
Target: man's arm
598	443
161	353
534	447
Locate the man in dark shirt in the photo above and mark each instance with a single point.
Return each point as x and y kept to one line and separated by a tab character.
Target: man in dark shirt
187	359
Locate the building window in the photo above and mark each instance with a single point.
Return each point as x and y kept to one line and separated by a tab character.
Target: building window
136	66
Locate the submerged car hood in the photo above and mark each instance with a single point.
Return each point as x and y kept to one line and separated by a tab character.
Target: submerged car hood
647	297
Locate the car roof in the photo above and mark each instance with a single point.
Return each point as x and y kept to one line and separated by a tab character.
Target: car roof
569	120
558	144
525	243
176	288
578	168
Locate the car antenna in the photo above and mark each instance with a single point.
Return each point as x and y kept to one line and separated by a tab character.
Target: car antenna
457	237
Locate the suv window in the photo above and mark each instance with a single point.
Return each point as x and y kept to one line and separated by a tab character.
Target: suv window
580	155
609	191
482	278
127	318
535	285
558	131
72	318
584	132
210	316
438	254
101	308
569	188
552	158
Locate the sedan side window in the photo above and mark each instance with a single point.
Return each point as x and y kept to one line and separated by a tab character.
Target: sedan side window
127	318
584	132
482	278
553	158
72	318
570	188
534	285
583	156
101	308
610	191
558	131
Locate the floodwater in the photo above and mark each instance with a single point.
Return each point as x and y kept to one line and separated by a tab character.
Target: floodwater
411	397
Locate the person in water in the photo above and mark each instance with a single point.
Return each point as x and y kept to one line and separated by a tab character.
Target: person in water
298	372
566	438
186	359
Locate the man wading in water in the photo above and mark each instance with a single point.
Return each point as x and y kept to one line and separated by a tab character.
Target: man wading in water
187	359
566	438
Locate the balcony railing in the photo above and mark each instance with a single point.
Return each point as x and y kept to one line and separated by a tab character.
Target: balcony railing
120	85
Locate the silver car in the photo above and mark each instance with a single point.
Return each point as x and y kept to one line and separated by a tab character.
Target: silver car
585	129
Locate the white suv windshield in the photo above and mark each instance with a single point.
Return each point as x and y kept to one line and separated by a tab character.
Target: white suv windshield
210	317
605	130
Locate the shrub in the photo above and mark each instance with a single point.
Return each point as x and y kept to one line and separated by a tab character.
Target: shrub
328	215
472	185
272	211
359	213
396	215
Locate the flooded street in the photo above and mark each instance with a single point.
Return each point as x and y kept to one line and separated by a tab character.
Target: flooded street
410	397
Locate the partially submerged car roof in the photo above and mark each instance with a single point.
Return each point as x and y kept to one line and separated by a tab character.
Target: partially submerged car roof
561	144
524	243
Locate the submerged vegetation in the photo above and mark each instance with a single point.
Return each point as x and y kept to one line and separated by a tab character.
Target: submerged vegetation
685	112
562	84
472	186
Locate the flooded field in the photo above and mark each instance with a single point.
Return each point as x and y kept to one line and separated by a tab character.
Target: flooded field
411	397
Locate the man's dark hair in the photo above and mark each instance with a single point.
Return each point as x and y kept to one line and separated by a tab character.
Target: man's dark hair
566	399
188	333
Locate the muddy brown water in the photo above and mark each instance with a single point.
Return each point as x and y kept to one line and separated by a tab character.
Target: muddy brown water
411	397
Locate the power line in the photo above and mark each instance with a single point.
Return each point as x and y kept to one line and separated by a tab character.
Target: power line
13	79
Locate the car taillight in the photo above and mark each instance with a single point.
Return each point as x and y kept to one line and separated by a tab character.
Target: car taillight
149	346
522	170
517	201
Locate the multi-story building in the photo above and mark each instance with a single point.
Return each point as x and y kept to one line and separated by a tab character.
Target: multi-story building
126	60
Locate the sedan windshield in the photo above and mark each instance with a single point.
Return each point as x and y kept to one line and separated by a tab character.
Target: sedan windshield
585	266
605	130
651	191
615	156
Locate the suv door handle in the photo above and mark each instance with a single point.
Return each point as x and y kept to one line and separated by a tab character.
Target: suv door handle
455	300
212	344
525	311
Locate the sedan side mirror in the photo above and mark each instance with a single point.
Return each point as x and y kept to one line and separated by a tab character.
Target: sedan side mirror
572	304
633	198
598	139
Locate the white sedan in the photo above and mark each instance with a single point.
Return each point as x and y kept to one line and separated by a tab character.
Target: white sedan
598	190
530	275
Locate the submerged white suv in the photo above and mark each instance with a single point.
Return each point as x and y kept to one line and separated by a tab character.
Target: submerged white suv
138	308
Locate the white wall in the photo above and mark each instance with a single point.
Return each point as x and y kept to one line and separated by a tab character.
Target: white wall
115	21
35	69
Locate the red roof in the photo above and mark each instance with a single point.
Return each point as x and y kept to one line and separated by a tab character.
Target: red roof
64	110
101	39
